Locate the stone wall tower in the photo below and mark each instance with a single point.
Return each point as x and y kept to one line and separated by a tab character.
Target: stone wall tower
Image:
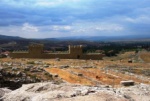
76	51
36	49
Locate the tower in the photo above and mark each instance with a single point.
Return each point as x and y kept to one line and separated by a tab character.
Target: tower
76	51
36	49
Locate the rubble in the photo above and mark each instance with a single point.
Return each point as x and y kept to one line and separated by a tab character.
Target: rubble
13	77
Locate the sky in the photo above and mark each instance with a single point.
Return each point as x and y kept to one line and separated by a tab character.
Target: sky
63	18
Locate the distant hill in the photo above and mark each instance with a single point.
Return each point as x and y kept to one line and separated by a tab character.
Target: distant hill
4	37
84	38
11	43
102	38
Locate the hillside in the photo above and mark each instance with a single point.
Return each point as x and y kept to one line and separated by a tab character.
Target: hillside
4	37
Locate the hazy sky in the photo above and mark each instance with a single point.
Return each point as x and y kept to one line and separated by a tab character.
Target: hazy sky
61	18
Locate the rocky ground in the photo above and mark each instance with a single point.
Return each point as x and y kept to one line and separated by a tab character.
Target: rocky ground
13	75
53	75
49	91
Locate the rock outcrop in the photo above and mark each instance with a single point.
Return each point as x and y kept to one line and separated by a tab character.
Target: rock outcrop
49	91
3	91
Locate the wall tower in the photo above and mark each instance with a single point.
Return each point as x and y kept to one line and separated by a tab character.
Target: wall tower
36	49
76	51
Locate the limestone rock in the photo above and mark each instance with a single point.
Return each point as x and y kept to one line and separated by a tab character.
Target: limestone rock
48	91
127	83
3	91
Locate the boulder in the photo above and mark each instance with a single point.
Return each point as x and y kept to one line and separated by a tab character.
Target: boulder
27	68
80	74
55	75
57	59
14	68
64	66
130	61
1	76
12	74
1	69
127	83
46	66
18	74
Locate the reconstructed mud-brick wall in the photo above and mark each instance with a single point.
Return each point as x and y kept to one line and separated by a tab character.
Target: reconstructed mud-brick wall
36	49
75	52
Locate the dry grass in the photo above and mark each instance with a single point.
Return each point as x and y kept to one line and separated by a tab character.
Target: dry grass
145	56
125	56
96	74
69	77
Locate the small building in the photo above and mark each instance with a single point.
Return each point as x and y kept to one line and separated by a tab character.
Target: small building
75	52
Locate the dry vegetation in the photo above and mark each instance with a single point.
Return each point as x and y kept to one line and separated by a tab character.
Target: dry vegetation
102	74
93	72
145	56
69	77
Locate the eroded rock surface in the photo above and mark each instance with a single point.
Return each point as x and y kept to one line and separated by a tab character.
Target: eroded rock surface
3	91
49	91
